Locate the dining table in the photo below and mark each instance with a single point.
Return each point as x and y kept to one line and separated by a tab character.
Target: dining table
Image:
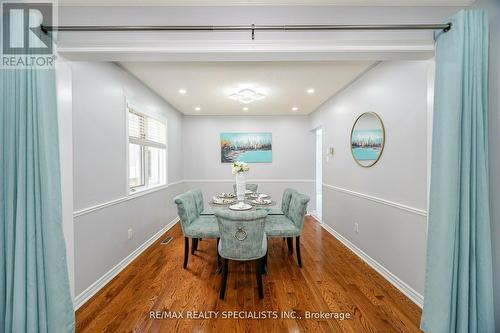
272	208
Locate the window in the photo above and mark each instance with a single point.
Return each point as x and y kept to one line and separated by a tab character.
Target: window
147	151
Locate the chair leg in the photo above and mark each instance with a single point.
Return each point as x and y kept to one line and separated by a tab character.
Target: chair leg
186	251
289	241
223	281
264	266
219	264
259	270
297	249
194	245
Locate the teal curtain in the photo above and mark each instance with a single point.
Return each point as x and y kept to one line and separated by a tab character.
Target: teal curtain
458	289
34	287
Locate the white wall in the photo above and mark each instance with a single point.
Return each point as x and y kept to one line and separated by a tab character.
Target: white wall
293	154
104	212
388	200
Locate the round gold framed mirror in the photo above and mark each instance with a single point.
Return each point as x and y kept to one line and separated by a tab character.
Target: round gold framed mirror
367	139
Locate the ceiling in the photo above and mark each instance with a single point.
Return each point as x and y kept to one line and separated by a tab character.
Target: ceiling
267	2
208	85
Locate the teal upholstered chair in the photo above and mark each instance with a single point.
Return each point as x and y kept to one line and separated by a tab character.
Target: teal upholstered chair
285	205
198	199
250	187
289	225
285	200
189	207
242	238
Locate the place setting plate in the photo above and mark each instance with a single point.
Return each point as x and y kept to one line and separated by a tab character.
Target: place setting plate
222	201
240	206
258	195
261	202
226	195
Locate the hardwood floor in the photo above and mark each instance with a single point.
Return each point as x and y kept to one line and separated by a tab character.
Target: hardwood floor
332	279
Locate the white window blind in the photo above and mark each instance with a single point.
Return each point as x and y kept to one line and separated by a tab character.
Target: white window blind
146	131
147	163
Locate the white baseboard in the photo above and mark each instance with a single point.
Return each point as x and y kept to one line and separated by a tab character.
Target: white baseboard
85	295
314	215
411	293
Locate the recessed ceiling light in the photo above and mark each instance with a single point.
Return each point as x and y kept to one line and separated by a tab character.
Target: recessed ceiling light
182	91
310	91
247	96
197	108
245	109
295	108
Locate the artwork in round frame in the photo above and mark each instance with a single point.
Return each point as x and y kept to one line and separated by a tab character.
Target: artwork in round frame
367	139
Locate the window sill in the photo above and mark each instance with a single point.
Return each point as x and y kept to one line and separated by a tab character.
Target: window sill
144	191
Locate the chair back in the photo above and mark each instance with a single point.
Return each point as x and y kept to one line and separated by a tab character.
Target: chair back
242	234
198	199
186	209
250	187
298	209
285	200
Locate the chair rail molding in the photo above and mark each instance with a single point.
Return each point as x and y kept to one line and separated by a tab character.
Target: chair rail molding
123	199
250	180
394	204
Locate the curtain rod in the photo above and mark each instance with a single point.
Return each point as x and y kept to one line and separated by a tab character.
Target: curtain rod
252	28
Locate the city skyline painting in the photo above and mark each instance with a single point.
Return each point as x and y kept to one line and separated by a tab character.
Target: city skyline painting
246	147
366	145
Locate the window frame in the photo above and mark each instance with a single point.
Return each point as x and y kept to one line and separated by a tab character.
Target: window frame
145	187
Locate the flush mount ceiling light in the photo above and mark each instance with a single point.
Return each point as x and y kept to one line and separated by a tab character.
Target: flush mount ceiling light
197	108
247	96
295	108
310	91
182	91
245	109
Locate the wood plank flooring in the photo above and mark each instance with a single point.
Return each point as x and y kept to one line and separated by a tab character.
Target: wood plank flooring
332	280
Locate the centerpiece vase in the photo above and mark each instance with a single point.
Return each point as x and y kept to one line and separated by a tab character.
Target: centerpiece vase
241	186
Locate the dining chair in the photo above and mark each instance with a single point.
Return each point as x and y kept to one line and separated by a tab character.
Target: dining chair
289	224
193	225
285	206
285	200
250	187
242	238
198	200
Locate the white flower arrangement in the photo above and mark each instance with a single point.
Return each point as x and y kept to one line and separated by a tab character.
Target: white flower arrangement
240	167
